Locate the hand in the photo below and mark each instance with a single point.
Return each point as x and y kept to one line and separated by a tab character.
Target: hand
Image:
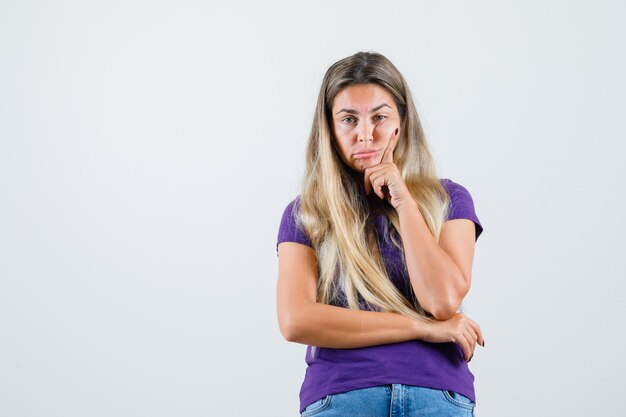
459	329
386	174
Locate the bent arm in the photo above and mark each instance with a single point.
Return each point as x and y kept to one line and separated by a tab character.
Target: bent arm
438	281
303	320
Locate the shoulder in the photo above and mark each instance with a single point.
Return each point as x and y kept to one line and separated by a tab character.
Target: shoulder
290	228
461	203
290	211
453	187
457	192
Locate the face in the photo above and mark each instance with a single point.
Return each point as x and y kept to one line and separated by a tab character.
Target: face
364	118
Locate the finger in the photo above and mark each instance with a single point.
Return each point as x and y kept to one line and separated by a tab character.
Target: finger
368	179
467	350
381	193
476	328
378	180
391	145
472	337
470	343
472	332
479	332
378	184
462	341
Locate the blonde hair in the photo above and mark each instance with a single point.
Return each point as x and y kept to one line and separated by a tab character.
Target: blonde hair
333	208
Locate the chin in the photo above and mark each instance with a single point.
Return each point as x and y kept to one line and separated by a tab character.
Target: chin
360	168
368	163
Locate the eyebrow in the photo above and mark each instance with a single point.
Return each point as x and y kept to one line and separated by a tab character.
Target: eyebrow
356	112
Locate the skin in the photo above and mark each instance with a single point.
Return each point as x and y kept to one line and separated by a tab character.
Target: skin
365	118
303	320
357	128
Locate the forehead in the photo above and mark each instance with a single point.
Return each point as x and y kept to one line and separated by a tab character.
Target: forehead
362	96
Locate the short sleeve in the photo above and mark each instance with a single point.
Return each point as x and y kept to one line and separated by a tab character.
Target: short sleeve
290	230
461	204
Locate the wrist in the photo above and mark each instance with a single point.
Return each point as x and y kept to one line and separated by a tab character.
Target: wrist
409	205
421	329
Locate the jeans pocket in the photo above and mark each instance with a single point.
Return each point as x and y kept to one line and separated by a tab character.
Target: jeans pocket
317	407
458	399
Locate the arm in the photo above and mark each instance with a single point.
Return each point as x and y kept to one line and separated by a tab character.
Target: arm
301	319
330	326
438	281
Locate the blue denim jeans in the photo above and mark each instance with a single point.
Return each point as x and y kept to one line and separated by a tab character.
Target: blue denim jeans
394	400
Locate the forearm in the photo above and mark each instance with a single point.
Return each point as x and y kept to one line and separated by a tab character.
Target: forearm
437	281
330	326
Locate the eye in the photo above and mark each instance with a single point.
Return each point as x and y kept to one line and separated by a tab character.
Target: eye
346	118
380	117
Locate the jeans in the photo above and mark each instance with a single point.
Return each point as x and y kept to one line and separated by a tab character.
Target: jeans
394	400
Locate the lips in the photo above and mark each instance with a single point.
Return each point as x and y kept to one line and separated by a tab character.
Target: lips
366	154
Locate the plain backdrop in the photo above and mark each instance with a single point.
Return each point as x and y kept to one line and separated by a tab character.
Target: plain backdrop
149	148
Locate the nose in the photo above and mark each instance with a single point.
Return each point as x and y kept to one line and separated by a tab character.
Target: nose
365	131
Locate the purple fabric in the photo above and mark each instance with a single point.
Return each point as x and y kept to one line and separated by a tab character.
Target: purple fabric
414	362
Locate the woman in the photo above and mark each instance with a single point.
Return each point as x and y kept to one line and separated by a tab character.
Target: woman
375	257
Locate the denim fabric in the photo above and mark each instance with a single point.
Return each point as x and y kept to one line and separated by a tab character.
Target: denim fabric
394	400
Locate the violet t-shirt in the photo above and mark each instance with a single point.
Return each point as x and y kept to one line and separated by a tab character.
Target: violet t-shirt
414	362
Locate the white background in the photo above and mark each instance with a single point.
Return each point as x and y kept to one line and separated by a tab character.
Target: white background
148	149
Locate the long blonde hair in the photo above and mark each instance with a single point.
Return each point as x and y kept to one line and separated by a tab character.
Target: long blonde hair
333	208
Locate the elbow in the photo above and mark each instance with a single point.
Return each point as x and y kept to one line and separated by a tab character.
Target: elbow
290	324
443	313
444	310
288	327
